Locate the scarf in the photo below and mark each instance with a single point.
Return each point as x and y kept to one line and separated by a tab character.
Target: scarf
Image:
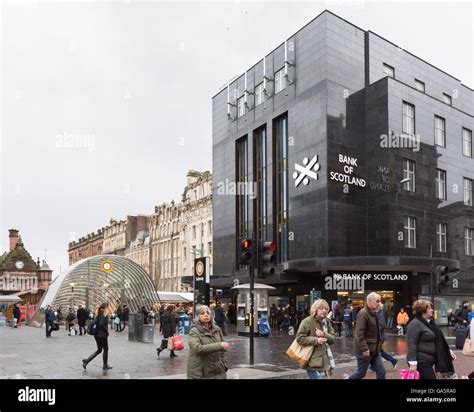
443	360
332	364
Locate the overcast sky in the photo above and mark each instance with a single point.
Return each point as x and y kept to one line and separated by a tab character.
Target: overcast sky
129	85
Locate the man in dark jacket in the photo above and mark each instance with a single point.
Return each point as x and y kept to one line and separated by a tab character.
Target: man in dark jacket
49	318
383	326
125	317
462	314
81	319
16	315
219	317
367	340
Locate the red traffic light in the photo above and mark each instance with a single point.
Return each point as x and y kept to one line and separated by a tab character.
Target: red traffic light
268	247
246	244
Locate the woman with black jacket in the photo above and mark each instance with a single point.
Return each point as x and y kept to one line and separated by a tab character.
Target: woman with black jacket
428	351
168	328
101	335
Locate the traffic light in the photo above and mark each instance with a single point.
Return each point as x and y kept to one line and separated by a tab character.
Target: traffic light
268	258
246	249
442	275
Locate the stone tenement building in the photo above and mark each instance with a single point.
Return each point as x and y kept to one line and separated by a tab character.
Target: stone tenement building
165	243
87	246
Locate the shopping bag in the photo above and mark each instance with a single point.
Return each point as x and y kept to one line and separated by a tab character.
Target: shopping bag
408	374
177	343
300	354
468	349
170	344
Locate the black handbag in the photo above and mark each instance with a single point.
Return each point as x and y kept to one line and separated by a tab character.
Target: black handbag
92	327
55	326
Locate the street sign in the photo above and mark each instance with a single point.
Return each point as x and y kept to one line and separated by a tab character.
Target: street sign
201	282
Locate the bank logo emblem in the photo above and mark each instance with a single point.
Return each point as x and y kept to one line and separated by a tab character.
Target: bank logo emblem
307	171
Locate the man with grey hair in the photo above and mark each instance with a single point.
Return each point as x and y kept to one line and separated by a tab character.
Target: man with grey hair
367	342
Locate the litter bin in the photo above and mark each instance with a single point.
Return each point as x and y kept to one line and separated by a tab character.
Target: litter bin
184	325
148	333
135	327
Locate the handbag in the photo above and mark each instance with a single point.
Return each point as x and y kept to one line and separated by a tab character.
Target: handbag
170	344
178	343
468	348
408	374
300	354
92	327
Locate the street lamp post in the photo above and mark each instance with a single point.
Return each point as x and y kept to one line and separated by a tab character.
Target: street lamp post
72	292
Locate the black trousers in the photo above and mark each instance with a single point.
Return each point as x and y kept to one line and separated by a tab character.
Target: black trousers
102	346
82	325
49	328
426	370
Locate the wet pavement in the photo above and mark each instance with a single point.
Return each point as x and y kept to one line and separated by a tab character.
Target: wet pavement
26	353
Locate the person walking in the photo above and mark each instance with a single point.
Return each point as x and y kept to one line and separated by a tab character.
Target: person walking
49	318
349	316
428	351
101	339
367	339
219	317
390	314
82	317
71	317
168	329
316	330
16	315
402	321
207	348
125	317
337	320
383	325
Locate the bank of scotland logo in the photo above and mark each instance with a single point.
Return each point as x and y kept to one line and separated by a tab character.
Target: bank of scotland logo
307	171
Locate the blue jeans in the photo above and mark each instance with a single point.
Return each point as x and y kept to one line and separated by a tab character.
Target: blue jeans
316	375
348	328
363	363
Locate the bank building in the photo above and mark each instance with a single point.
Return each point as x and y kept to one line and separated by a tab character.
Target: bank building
357	157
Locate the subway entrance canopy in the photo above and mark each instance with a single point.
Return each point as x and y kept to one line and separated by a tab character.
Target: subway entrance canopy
104	278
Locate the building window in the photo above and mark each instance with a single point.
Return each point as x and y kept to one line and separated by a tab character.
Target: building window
202	230
467	192
209	226
408	118
280	201
466	142
408	175
440	184
441	230
388	70
194	232
440	131
209	248
410	232
259	94
260	167
468	240
419	85
280	83
240	106
447	99
242	195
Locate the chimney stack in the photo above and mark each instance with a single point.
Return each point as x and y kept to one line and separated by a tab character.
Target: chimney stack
13	238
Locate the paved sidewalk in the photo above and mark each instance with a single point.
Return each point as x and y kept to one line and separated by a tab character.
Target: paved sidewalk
26	353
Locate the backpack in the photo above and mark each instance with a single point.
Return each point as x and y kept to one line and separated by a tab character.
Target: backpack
92	327
347	315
